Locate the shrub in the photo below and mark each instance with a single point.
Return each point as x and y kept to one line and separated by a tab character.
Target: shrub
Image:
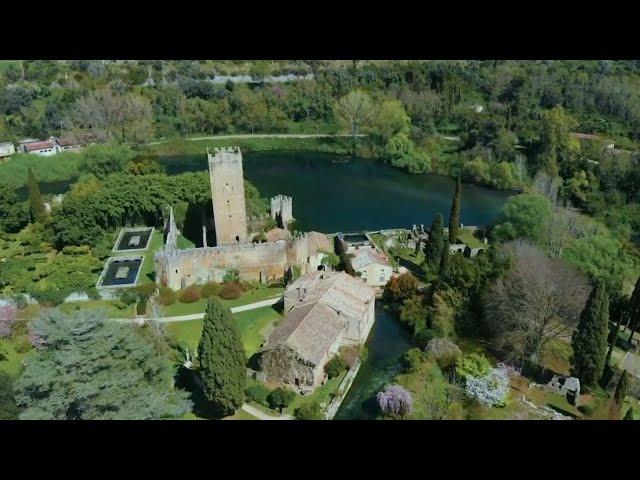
190	294
412	359
230	291
258	393
210	289
166	296
309	411
19	301
395	400
128	296
444	351
22	344
586	409
120	305
231	275
491	389
473	365
280	398
335	366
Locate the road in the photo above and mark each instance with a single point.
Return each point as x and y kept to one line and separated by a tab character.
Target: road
259	414
266	135
197	316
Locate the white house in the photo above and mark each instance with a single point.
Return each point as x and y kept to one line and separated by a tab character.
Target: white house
372	266
6	149
44	148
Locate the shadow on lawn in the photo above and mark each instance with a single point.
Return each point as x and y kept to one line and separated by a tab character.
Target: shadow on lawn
187	380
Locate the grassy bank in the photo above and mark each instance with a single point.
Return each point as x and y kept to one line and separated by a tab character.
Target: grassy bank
181	146
63	166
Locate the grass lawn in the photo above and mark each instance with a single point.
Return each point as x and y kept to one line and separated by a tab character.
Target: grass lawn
252	324
146	270
239	415
108	306
466	236
556	401
557	356
252	296
13	364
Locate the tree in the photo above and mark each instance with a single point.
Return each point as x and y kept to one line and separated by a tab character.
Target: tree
8	318
537	300
309	411
354	110
86	367
523	216
435	241
14	214
454	216
629	414
401	152
395	400
389	120
444	259
621	388
222	359
634	310
402	287
280	398
335	366
555	138
8	408
589	341
36	204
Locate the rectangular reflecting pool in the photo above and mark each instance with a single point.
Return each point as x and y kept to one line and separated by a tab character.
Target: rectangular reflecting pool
133	239
120	272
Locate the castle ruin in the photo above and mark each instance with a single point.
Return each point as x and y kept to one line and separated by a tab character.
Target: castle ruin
282	210
263	262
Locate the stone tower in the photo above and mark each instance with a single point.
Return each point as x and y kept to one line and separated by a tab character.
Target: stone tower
282	210
227	191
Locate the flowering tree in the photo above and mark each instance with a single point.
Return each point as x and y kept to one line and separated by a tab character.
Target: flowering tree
8	317
396	400
491	389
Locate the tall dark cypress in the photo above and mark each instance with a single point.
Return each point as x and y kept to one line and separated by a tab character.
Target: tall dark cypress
621	388
629	414
433	245
444	260
222	359
589	340
454	217
36	203
634	310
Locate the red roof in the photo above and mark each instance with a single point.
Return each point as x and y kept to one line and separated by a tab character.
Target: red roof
31	146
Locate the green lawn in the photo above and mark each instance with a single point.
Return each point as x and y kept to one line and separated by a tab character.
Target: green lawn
466	236
146	271
252	296
108	306
239	415
13	364
252	324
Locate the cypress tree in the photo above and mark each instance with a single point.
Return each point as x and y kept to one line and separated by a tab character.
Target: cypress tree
433	245
444	259
222	359
634	310
621	388
36	203
589	341
454	217
629	414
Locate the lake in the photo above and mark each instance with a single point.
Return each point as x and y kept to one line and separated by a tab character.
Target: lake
360	194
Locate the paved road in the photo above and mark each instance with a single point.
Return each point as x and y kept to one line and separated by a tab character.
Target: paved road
197	316
263	416
266	135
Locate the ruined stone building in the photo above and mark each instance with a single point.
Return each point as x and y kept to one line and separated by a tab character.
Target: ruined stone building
282	210
264	262
323	312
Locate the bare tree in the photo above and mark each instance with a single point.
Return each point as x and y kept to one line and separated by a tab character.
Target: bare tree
154	316
538	300
547	186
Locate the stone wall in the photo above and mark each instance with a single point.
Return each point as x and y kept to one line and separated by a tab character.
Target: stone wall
282	207
282	364
254	262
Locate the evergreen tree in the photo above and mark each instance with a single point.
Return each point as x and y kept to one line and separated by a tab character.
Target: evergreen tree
36	203
222	359
589	341
444	259
454	217
634	310
621	388
85	367
629	414
433	245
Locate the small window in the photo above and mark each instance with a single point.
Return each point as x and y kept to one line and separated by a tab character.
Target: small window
237	238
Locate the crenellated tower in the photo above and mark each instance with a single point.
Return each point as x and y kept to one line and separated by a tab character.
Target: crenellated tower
227	192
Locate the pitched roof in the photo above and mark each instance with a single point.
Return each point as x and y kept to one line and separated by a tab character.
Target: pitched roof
40	145
367	256
319	241
67	142
276	234
310	330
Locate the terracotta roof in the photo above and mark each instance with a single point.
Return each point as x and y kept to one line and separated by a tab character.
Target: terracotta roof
319	241
366	256
31	146
310	330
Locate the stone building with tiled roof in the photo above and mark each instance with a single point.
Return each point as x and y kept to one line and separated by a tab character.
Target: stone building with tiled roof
323	312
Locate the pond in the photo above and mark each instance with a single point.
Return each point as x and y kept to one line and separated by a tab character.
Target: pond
330	195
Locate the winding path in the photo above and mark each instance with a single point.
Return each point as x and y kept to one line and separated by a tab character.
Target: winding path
259	414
